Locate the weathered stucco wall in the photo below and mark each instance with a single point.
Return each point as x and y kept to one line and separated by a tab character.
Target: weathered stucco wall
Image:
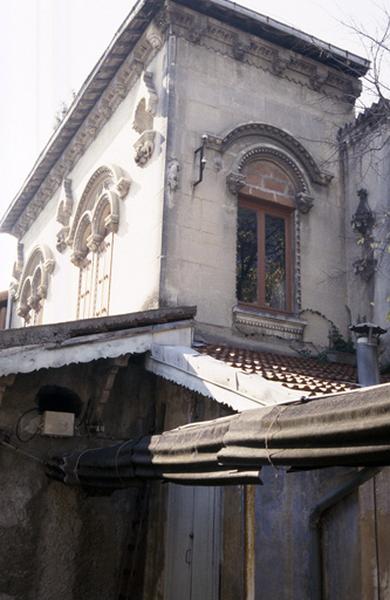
58	541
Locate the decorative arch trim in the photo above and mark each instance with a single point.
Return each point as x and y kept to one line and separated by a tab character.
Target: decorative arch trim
34	281
105	187
274	134
236	178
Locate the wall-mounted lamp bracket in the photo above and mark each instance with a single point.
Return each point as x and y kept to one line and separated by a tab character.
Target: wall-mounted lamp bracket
200	159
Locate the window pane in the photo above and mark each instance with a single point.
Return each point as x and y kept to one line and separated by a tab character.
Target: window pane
247	255
275	262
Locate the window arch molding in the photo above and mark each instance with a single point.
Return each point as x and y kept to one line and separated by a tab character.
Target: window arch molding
265	134
34	282
236	178
91	238
98	209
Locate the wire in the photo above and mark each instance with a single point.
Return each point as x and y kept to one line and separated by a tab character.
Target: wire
18	425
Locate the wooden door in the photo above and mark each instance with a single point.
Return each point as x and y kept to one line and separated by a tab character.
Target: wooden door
193	543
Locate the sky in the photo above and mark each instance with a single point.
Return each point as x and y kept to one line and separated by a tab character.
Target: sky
48	48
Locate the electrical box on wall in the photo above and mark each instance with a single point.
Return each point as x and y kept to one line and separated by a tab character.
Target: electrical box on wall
59	424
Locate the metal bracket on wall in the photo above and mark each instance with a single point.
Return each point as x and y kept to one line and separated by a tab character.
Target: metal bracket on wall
200	159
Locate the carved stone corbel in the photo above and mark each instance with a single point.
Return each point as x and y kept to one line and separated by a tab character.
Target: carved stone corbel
319	77
65	206
62	237
155	37
197	29
239	48
173	175
235	182
78	258
94	241
144	148
122	187
304	202
280	62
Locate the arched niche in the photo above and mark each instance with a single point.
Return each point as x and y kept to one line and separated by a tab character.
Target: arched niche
34	282
100	199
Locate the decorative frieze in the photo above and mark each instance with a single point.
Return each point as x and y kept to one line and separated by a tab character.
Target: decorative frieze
262	324
221	38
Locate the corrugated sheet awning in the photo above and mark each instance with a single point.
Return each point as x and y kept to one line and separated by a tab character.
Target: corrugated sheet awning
347	429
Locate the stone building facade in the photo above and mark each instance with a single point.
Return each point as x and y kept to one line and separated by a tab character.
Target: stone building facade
198	165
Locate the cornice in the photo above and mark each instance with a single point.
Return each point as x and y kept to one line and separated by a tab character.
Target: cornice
250	49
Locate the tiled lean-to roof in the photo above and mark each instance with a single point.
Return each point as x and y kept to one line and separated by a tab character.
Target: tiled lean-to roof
309	375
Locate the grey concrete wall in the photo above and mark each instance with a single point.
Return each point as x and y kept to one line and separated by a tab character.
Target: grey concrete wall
214	93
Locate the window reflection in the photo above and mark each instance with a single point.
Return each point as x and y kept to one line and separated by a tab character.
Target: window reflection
247	255
275	262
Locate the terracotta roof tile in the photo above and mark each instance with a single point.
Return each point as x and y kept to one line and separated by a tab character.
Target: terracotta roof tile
309	375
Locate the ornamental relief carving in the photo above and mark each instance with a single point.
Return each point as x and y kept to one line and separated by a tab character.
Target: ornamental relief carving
98	211
34	282
261	54
143	121
263	134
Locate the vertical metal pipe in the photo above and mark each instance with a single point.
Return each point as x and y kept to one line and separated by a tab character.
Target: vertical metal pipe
367	361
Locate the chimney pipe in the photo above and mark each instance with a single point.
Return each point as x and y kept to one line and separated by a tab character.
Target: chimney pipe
367	335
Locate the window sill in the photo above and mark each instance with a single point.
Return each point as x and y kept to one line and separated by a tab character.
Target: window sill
260	322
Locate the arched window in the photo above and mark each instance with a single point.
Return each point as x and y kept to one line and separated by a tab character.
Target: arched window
92	237
272	191
33	285
265	237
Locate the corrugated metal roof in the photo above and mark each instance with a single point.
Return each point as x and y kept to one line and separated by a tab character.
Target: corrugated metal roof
349	429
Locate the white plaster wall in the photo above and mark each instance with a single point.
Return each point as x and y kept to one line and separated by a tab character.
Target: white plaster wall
215	93
137	244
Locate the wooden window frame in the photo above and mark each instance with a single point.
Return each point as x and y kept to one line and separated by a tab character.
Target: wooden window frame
262	208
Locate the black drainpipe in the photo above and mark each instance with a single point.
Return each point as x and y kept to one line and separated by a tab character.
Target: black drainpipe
368	374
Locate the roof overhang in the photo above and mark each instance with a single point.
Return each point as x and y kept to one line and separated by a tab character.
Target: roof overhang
29	349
